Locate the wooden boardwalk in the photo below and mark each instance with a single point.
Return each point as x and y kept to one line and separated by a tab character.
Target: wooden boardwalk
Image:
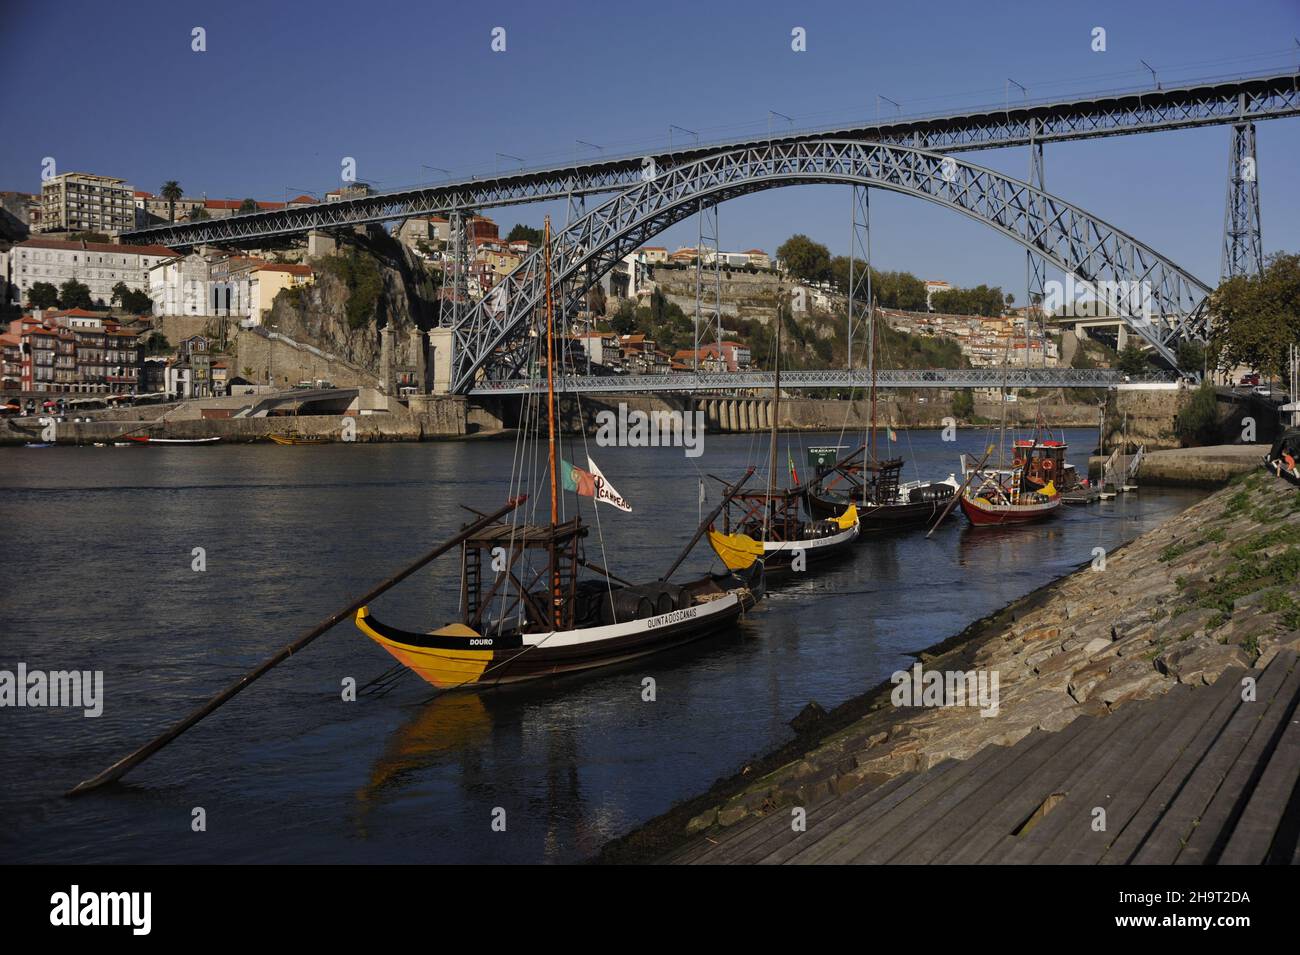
1197	776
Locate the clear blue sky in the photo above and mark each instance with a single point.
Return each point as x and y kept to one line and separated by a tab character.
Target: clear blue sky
285	91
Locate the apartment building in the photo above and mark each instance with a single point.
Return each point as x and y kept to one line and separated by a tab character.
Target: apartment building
82	202
98	265
74	351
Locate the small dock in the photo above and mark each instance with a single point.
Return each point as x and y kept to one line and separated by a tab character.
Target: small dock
1200	775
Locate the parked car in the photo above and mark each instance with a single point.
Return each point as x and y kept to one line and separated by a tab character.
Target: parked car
1249	380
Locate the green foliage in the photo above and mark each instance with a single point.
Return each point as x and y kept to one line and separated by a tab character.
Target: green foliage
1174	551
156	344
43	295
980	300
199	214
171	191
805	259
1133	360
89	237
521	231
359	271
900	290
963	404
74	294
1198	423
1255	317
248	205
1191	355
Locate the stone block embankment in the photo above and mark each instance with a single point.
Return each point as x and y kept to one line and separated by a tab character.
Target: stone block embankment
1194	467
441	419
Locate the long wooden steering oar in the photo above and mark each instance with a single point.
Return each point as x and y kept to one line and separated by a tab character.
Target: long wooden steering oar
960	491
128	763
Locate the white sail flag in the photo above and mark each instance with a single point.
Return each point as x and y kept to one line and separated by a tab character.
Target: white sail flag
604	490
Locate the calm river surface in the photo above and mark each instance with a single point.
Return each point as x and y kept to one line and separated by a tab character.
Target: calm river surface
97	576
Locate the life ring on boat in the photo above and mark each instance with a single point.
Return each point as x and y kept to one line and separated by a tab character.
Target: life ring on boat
1018	462
1048	464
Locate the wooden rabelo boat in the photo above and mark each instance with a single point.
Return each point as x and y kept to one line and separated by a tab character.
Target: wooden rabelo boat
884	502
771	529
1000	496
149	439
873	484
527	611
297	439
767	527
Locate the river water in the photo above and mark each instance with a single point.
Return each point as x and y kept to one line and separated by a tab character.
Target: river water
98	575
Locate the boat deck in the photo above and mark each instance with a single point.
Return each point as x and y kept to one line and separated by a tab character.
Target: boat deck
1197	776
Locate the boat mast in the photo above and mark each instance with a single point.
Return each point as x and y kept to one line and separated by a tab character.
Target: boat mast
556	597
550	379
871	332
776	412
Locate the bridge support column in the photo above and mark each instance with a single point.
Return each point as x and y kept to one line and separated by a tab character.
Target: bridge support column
418	366
440	365
1243	251
320	243
386	359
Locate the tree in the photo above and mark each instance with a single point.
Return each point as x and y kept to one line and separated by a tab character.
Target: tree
156	344
1255	317
805	259
171	191
520	231
1198	422
74	294
1191	355
963	405
623	321
248	205
120	292
1133	360
198	214
43	295
137	302
980	300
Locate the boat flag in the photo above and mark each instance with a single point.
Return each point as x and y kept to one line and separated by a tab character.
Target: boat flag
604	491
702	495
577	480
893	436
789	460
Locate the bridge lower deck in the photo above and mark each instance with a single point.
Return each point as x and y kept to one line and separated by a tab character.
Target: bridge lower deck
1198	776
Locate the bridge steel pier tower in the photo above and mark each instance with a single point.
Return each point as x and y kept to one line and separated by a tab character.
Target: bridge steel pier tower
708	288
1035	264
1243	250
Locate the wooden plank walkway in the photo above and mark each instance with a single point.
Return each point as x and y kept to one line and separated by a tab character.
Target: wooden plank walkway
1197	776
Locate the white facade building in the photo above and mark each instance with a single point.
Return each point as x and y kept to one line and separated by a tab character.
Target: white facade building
98	265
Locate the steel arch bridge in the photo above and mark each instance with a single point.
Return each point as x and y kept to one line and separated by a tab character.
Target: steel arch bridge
493	336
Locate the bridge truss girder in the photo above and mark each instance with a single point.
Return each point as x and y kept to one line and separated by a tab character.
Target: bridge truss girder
497	330
1107	114
707	384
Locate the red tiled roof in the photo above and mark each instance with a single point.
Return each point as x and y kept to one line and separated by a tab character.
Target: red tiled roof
95	247
236	203
291	269
303	198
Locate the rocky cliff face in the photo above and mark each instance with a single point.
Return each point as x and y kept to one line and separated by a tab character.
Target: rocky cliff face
368	284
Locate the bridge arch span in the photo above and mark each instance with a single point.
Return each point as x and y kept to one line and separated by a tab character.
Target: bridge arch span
495	331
